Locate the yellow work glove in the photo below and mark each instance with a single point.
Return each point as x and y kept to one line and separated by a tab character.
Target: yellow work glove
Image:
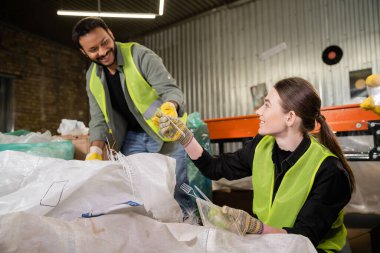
245	223
167	108
373	88
174	129
94	154
368	104
376	110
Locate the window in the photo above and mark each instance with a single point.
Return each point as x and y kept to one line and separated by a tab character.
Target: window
6	111
358	88
258	93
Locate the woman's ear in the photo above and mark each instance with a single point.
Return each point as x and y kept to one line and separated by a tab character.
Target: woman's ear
290	118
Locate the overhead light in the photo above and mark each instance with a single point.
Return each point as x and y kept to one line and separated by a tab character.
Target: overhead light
161	9
106	14
112	14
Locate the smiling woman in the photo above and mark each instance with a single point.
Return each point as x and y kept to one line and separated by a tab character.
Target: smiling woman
274	120
294	175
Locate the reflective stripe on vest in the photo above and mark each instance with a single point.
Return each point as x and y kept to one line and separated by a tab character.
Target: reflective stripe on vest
142	94
293	191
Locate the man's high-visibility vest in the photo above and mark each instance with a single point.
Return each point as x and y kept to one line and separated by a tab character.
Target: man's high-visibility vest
142	94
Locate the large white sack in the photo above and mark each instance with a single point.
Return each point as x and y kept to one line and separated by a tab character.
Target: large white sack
222	241
66	189
130	232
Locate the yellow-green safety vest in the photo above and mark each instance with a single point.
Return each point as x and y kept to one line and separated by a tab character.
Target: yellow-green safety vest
144	97
293	191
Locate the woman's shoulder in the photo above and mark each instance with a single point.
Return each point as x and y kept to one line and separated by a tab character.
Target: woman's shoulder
333	172
252	143
332	165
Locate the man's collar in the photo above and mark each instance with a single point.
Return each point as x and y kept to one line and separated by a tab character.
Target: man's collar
119	56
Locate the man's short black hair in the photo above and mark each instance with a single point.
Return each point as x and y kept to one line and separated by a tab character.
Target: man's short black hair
85	26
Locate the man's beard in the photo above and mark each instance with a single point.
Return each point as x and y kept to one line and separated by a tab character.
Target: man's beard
111	51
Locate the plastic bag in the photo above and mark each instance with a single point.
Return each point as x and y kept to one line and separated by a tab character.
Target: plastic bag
18	132
213	217
36	143
201	134
56	149
23	136
72	127
365	198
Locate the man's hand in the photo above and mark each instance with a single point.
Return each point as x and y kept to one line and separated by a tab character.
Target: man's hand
168	109
94	154
174	129
245	223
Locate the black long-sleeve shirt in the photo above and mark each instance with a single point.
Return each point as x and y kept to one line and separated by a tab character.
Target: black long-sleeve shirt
330	192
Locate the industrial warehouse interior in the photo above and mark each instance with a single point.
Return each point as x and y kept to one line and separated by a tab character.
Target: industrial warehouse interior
190	126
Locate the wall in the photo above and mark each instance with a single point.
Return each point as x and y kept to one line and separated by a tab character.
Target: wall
214	57
49	80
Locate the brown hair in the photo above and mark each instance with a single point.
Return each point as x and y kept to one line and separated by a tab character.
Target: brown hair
299	95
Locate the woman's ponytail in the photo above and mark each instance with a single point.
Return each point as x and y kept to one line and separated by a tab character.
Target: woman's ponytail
329	140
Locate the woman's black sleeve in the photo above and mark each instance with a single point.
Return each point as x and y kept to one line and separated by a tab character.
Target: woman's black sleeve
231	166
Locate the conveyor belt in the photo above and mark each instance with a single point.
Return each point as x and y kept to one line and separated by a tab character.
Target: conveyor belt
346	118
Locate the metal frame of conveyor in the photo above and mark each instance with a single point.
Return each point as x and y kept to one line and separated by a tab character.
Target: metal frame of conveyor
344	120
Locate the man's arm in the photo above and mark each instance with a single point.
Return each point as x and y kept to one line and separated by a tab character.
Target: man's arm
99	144
155	73
98	128
97	125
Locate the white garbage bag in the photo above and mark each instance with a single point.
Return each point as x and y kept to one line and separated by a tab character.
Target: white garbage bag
42	200
131	232
67	189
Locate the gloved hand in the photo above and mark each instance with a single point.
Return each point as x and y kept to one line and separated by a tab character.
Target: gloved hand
373	88
245	222
174	129
167	108
94	154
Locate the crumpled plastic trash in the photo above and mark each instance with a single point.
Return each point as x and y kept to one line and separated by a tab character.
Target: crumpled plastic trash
29	137
201	134
72	127
213	217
